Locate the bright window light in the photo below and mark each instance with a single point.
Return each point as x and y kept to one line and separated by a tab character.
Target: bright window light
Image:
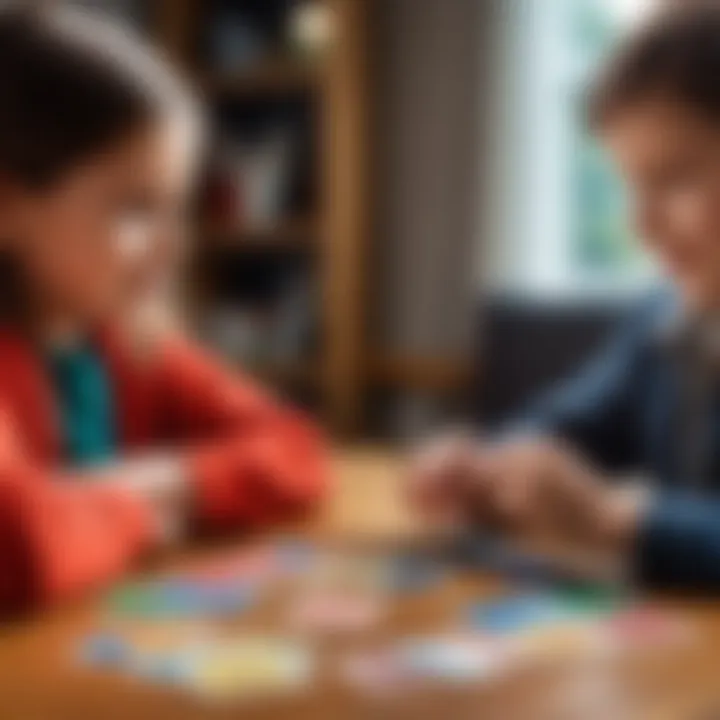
630	12
556	225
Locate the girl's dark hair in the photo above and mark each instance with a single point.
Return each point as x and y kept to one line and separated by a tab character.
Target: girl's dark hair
72	84
675	56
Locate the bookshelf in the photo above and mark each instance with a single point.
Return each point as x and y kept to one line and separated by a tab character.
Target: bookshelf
298	234
324	232
275	75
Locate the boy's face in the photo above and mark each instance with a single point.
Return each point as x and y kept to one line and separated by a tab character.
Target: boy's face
670	160
107	235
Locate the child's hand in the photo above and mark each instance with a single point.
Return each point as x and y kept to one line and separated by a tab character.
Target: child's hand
444	480
543	489
528	489
161	482
538	488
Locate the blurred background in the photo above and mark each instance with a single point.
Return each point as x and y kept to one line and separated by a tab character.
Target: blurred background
402	220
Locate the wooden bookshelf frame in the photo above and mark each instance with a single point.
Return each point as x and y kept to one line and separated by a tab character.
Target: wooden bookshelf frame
338	236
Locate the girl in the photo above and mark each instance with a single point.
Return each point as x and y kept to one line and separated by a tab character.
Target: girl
98	142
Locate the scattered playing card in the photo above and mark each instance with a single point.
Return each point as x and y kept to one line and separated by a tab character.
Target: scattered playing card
250	565
343	593
591	599
211	666
335	612
411	663
142	650
377	672
249	667
568	641
180	597
517	613
105	650
453	659
222	586
645	627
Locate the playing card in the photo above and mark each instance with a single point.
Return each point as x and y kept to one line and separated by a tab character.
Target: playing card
560	642
171	665
591	599
249	667
517	613
250	565
335	612
411	663
452	659
133	600
645	627
105	650
144	650
181	597
377	672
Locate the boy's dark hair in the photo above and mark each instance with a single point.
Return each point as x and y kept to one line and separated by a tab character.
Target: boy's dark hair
70	86
676	56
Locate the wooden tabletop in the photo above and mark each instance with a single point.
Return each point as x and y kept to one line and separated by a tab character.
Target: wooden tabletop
40	681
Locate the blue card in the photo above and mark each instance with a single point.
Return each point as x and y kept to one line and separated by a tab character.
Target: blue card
182	597
105	650
203	598
516	613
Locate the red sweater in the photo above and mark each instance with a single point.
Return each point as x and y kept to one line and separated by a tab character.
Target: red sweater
250	462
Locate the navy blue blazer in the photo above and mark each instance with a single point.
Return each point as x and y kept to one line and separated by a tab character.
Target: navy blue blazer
623	412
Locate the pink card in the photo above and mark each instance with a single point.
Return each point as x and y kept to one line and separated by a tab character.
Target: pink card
335	612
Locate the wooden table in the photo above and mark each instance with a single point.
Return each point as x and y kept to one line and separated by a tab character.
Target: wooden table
39	680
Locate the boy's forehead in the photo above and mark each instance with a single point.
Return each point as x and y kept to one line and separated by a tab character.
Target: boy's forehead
661	113
659	125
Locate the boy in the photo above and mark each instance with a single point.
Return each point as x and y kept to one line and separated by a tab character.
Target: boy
651	403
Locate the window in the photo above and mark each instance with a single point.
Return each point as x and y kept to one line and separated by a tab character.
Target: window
556	219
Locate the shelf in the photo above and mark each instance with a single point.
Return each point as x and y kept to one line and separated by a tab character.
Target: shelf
289	235
269	78
298	374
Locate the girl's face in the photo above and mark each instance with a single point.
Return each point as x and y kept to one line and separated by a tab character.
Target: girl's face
107	235
670	160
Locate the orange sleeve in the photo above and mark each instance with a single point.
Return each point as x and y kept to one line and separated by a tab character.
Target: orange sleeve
58	538
252	461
